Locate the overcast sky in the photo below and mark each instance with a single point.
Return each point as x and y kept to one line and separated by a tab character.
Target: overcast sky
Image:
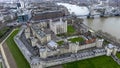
20	0
7	0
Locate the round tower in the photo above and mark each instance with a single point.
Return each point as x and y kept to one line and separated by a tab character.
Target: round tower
109	49
114	51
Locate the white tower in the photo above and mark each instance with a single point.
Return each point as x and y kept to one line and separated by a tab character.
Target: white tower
115	51
58	27
109	51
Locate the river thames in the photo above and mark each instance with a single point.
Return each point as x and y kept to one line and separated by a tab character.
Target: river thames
110	25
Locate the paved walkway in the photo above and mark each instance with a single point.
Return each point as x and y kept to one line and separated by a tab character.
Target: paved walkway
116	59
9	57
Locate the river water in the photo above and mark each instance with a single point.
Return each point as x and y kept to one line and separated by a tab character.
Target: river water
110	25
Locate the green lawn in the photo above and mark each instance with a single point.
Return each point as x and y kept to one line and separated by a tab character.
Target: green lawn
1	65
63	34
98	62
78	39
105	42
18	56
118	55
60	42
70	29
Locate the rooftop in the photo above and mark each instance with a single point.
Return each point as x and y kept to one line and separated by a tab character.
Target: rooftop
110	46
39	31
52	44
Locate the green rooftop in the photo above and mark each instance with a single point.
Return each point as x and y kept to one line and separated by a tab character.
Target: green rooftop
118	55
70	29
60	42
77	39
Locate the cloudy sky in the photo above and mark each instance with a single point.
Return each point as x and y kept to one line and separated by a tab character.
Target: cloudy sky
7	0
20	0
